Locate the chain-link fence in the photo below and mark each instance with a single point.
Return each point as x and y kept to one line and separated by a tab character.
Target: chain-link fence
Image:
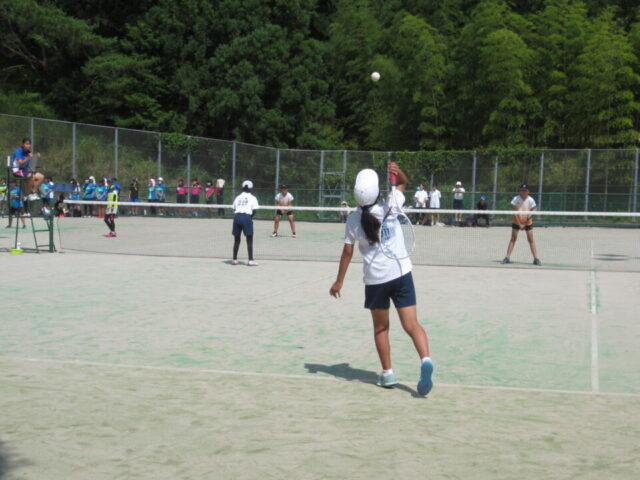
573	180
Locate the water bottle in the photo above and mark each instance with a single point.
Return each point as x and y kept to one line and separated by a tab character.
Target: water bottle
18	246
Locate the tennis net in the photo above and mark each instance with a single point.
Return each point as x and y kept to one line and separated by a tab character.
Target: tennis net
566	240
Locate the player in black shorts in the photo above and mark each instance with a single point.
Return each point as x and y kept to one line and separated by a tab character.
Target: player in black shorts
284	199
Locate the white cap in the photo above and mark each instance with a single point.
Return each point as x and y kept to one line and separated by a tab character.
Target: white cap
160	179
366	189
458	184
248	184
92	178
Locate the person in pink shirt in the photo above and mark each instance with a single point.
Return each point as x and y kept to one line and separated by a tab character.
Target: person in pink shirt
209	193
181	195
196	188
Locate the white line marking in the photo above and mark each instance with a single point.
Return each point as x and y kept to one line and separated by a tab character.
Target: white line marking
595	363
82	363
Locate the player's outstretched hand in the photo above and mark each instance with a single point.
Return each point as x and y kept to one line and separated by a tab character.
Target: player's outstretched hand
334	291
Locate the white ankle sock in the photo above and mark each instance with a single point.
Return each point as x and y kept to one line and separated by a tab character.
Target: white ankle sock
386	372
424	359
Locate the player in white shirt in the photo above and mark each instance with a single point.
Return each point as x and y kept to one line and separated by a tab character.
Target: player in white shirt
434	204
385	279
420	198
244	207
522	202
284	199
458	196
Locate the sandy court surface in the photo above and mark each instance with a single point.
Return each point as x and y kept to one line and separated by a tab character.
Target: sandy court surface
124	366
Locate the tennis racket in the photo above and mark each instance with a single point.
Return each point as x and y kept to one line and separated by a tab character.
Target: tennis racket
397	238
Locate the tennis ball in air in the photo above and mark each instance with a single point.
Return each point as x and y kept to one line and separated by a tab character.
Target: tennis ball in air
375	76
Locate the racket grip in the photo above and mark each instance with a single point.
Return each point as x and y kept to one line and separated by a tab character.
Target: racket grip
393	178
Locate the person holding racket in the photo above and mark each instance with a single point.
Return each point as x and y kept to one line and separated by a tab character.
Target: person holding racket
522	202
377	228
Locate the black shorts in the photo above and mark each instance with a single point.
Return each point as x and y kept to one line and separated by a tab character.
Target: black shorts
526	227
457	204
15	211
181	199
194	199
401	290
279	213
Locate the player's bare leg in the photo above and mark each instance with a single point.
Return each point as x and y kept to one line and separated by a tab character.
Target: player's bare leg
381	336
34	182
292	224
409	320
276	225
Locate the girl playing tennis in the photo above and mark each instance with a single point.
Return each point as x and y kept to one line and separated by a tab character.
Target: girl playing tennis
385	279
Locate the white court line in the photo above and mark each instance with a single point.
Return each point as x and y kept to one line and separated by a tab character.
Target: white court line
82	363
593	307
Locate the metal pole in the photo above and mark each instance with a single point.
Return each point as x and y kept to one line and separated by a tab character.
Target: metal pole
233	169
473	180
115	153
159	157
540	181
74	166
189	162
321	182
495	183
344	174
634	199
32	136
587	181
277	169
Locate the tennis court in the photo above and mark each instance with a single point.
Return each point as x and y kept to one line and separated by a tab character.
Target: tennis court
153	357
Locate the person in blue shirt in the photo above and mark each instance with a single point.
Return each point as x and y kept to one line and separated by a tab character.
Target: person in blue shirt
22	168
161	194
152	194
89	193
76	192
101	195
15	203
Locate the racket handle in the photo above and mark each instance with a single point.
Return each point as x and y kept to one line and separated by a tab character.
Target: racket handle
393	178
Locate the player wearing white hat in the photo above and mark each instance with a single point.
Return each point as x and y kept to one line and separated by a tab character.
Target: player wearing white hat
244	207
385	279
458	196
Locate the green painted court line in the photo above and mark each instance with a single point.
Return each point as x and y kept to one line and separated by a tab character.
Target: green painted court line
124	366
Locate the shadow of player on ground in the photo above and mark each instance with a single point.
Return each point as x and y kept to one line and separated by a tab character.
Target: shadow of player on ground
346	372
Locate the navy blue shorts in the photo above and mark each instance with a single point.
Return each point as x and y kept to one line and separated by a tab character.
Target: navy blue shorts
400	290
242	222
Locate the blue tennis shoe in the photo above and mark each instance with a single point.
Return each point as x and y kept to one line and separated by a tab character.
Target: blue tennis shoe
387	380
425	384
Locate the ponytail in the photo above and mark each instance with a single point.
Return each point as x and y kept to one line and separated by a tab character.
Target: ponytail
370	225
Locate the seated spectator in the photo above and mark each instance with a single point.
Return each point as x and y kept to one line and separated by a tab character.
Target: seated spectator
482	205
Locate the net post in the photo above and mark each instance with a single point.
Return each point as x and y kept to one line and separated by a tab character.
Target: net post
277	168
74	163
587	181
473	179
233	169
159	156
115	152
540	180
634	200
495	182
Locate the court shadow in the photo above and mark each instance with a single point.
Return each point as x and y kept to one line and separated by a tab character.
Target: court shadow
6	463
347	372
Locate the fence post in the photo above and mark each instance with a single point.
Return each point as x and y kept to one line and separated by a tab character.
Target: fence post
115	153
189	161
277	168
233	169
495	183
321	180
473	180
587	181
32	136
74	165
159	157
635	182
541	181
344	174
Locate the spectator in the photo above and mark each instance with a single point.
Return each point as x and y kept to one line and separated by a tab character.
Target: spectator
219	195
209	193
161	194
134	194
434	204
21	167
46	195
101	196
181	196
3	195
15	203
344	212
421	196
482	205
152	194
59	210
196	188
89	194
458	196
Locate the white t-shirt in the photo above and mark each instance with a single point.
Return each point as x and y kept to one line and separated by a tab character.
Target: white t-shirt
524	205
245	203
284	200
220	183
434	198
458	193
421	198
377	267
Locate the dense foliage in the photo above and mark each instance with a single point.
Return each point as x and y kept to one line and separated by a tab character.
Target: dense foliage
456	74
